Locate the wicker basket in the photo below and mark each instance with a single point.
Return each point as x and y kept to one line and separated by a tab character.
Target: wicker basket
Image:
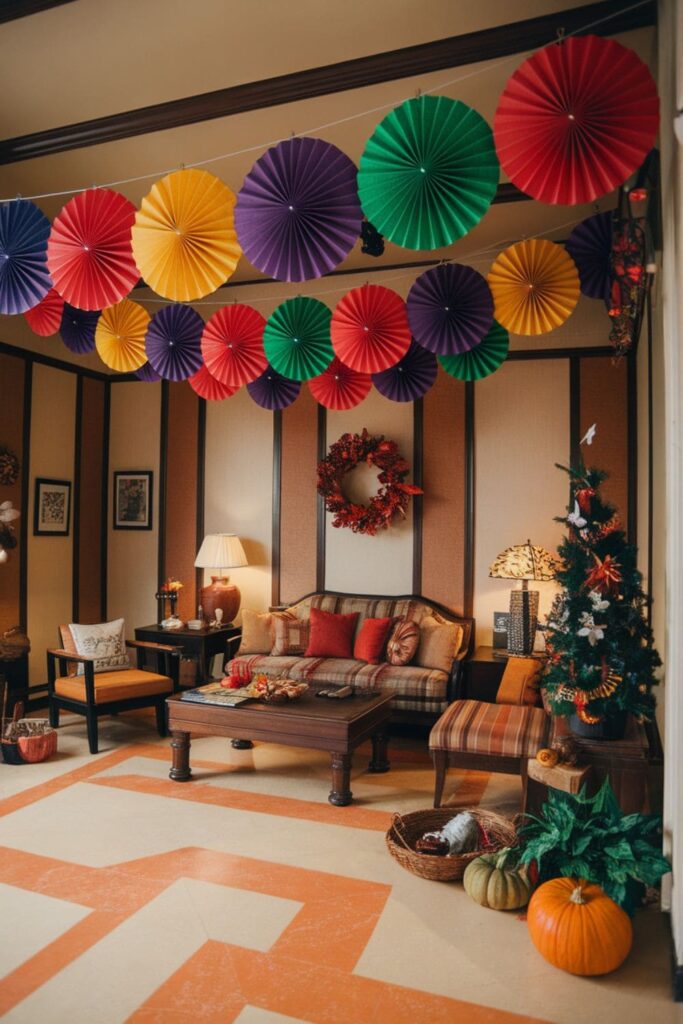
408	828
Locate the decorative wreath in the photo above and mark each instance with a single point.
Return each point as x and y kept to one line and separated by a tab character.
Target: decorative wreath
393	495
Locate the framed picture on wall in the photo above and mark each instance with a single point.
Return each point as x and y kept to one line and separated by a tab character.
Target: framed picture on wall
52	507
133	499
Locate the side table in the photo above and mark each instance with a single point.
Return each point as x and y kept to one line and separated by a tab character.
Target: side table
482	674
202	644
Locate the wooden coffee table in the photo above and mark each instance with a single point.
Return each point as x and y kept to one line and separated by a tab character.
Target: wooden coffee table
317	723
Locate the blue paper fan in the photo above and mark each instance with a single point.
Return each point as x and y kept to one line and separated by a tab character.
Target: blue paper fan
24	277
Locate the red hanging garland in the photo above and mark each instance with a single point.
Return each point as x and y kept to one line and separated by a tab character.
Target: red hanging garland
393	495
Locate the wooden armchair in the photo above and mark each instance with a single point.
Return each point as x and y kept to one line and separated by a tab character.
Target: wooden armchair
494	737
93	694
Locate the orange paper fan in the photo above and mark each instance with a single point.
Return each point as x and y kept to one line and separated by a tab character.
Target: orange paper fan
535	287
120	336
184	238
206	386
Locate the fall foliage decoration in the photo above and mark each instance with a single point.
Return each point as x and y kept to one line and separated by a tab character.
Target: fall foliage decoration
393	495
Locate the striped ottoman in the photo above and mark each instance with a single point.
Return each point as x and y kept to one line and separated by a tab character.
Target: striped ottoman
487	737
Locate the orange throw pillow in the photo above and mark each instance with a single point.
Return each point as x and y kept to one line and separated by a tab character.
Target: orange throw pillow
331	634
521	682
371	640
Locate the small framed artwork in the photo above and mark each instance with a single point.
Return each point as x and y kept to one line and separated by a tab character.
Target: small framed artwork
133	500
501	621
52	507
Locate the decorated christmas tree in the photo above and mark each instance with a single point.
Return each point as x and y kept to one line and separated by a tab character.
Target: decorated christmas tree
601	658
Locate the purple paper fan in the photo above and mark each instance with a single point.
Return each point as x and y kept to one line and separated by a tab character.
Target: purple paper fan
410	379
147	373
450	309
173	342
273	391
24	277
297	214
77	329
589	245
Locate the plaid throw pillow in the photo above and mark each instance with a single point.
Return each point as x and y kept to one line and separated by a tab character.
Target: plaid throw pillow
290	635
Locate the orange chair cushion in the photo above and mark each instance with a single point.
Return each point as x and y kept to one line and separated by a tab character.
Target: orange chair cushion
113	686
521	682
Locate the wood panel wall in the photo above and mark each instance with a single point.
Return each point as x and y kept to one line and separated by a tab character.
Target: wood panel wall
178	513
298	498
604	401
12	436
90	484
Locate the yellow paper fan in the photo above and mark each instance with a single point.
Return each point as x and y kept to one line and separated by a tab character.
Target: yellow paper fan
120	336
535	287
184	239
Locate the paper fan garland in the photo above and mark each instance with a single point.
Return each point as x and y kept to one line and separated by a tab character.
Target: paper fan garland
24	276
147	373
273	391
590	245
410	379
232	345
77	329
297	215
184	238
428	173
296	338
370	329
450	309
206	386
45	318
482	360
340	387
173	342
576	119
89	252
120	336
535	287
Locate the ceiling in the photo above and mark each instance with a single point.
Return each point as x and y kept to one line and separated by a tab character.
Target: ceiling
89	59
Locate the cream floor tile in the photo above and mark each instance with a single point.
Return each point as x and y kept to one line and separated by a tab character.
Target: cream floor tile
29	921
108	982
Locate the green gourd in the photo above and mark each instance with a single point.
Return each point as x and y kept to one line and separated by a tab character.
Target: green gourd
491	884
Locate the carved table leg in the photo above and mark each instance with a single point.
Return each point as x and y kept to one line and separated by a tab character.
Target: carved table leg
340	794
379	761
180	747
242	744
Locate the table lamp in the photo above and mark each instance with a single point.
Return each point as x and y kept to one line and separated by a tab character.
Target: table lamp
220	551
523	562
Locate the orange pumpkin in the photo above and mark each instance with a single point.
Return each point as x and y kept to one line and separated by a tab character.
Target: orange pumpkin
575	926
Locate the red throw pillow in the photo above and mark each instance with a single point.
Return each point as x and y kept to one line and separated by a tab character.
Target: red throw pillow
331	635
371	640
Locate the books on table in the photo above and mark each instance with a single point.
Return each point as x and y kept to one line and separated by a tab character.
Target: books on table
214	693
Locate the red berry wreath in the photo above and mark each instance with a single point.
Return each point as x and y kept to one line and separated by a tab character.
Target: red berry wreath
393	495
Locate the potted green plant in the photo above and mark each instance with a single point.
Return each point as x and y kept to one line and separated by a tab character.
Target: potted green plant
601	659
590	838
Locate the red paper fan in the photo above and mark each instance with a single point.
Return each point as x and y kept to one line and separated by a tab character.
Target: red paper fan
232	345
207	386
46	318
340	387
369	329
89	252
576	119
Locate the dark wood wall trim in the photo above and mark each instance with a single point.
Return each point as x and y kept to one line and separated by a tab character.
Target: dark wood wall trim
163	456
418	474
201	487
25	478
424	58
11	10
57	364
277	508
592	351
320	538
470	507
76	502
632	445
650	454
574	409
104	525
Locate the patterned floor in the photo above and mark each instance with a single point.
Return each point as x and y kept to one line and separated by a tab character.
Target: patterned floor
244	896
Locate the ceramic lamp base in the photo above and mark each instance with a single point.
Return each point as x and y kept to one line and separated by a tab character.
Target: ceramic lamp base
220	594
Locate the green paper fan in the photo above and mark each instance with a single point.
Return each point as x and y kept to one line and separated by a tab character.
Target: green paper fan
296	338
482	360
428	173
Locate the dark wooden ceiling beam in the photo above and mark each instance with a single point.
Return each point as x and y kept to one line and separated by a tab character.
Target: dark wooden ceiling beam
11	10
471	48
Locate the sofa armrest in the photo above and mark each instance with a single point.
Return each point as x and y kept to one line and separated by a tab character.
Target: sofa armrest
456	679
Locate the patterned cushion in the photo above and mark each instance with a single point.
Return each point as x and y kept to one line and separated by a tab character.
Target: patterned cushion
256	632
403	642
103	641
290	635
111	686
476	727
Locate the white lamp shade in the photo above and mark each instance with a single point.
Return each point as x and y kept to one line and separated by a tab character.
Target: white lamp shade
221	551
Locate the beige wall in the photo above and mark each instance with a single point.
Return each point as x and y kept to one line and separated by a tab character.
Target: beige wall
133	554
50	559
239	488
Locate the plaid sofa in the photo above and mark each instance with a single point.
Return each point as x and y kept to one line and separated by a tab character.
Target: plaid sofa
418	691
